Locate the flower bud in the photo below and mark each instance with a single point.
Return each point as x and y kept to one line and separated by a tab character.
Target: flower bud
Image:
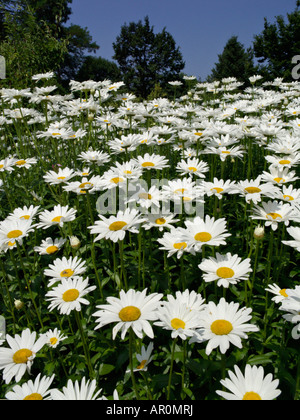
74	242
18	304
259	232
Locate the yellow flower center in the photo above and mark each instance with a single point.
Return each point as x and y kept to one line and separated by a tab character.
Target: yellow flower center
221	327
85	185
127	172
284	162
67	273
117	226
129	313
226	152
14	234
252	190
20	162
22	356
33	397
180	190
274	216
116	180
1	166
288	197
53	341
61	178
51	249
70	295
278	179
192	168
198	133
160	221
225	272
56	219
147	164
56	134
217	189
177	323
180	245
203	237
142	365
251	396
283	293
145	196
25	217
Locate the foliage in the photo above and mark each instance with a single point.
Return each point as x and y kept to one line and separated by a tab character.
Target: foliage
278	43
28	48
146	58
234	61
98	68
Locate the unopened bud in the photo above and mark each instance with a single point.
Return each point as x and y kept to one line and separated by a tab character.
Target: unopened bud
74	242
259	232
18	304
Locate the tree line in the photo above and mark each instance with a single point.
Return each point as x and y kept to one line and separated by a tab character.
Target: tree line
35	37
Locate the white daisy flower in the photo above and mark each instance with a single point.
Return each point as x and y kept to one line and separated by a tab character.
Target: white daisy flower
253	385
274	212
54	337
49	246
144	358
160	220
224	324
192	166
32	391
14	230
208	231
115	227
25	163
61	176
253	190
77	391
64	269
295	233
153	161
227	269
27	213
86	185
285	161
279	176
174	243
94	156
178	318
69	295
218	187
18	359
56	217
280	294
132	310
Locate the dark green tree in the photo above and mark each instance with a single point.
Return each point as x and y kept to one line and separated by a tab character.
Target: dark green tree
35	38
28	46
278	43
145	58
98	68
235	61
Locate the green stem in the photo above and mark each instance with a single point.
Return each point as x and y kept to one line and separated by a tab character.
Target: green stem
84	344
131	338
171	368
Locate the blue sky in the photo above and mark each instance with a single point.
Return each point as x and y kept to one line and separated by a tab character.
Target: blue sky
200	28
